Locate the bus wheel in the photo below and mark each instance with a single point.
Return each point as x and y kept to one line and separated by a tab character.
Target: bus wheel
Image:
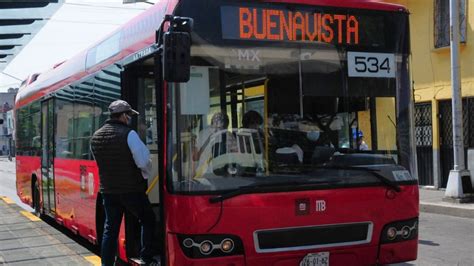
36	199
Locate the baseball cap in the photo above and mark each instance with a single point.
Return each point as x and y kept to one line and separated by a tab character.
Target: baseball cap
121	106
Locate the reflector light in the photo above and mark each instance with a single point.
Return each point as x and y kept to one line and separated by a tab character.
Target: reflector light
391	194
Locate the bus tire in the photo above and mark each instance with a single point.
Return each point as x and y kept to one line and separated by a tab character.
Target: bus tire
36	197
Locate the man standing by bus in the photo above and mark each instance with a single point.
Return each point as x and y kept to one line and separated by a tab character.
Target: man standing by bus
124	164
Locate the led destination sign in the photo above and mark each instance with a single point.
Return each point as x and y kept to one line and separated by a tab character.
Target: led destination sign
251	23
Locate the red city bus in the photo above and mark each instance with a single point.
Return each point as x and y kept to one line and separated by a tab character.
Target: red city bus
291	143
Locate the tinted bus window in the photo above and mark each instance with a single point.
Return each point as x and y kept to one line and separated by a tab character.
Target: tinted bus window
64	123
106	90
28	130
83	118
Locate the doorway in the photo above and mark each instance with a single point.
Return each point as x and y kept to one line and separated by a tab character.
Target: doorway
424	143
446	134
139	90
47	158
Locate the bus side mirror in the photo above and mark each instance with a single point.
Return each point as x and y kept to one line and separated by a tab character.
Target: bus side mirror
177	50
177	56
1	121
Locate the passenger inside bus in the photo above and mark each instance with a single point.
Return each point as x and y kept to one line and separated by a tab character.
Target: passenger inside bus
304	110
252	120
213	141
252	124
358	136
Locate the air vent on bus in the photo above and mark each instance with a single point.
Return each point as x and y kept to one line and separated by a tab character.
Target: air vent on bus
309	237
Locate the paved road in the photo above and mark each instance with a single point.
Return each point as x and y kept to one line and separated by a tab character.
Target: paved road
7	182
444	240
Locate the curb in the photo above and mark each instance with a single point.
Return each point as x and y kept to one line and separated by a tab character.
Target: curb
446	210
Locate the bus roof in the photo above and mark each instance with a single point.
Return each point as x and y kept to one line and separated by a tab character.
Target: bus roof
142	28
138	34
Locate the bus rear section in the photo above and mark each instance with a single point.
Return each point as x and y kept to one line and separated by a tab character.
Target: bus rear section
325	175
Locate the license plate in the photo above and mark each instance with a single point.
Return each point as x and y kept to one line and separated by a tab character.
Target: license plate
316	259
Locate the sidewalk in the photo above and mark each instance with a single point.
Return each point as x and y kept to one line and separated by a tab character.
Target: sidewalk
27	240
432	201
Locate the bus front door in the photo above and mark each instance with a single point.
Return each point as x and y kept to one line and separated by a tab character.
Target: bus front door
47	158
138	88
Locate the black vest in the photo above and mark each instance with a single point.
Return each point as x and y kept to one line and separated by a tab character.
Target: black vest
117	169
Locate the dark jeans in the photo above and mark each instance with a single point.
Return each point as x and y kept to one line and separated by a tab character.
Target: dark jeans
115	205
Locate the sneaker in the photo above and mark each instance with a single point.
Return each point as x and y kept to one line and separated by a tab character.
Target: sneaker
137	261
152	262
148	262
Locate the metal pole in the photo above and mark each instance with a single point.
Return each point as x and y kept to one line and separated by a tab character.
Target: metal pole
454	187
458	136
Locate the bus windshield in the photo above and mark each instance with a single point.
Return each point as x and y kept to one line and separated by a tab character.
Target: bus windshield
269	104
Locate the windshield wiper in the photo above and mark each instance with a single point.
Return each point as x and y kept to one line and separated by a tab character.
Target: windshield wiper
374	172
258	186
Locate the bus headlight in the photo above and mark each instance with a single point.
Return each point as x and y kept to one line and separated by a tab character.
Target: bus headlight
227	245
400	231
391	233
205	246
406	232
188	242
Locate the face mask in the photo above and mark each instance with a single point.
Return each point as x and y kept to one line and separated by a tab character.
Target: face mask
218	125
129	120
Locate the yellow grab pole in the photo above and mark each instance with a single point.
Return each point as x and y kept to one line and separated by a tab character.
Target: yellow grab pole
153	184
155	180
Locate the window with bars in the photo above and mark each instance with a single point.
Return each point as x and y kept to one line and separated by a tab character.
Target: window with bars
441	21
423	125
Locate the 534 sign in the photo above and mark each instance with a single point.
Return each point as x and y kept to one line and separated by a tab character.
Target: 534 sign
372	65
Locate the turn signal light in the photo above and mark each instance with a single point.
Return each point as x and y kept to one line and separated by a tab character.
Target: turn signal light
188	242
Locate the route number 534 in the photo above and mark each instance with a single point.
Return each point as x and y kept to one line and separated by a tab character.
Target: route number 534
376	65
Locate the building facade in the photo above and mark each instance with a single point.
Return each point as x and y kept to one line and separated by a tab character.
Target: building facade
431	66
7	101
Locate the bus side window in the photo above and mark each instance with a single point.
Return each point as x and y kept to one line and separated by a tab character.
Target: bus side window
83	118
64	122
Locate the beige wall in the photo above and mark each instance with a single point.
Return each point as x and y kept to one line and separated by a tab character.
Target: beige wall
430	66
